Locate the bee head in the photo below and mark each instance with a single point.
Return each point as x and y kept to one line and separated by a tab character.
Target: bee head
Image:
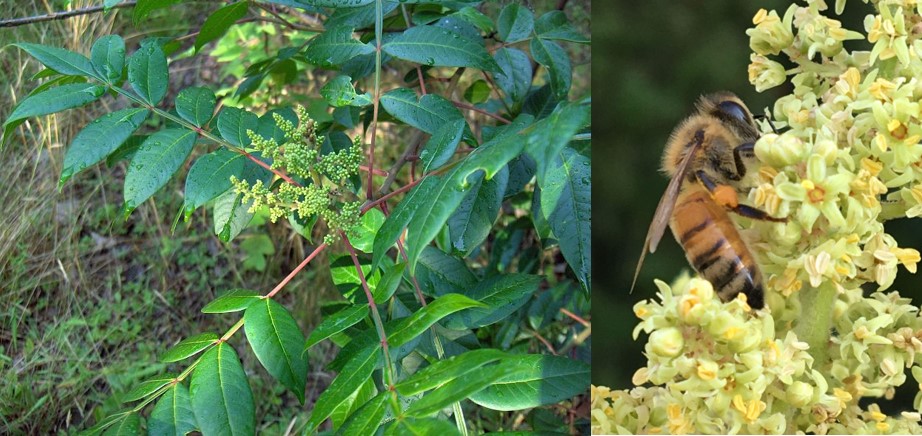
731	111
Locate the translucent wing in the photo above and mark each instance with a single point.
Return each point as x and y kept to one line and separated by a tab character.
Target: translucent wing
666	204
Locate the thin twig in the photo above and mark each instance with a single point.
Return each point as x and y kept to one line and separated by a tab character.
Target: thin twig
480	111
403	159
295	271
61	15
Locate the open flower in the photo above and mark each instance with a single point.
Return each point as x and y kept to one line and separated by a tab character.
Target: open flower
817	193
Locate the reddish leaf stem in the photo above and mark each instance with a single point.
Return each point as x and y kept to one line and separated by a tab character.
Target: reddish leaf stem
295	271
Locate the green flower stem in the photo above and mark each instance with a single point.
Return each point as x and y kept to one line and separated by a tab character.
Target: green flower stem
815	326
390	377
437	343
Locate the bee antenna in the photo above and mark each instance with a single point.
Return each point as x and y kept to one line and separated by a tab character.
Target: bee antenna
766	118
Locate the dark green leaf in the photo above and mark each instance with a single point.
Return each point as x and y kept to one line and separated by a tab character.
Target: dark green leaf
210	176
195	105
446	370
99	138
515	23
551	134
435	207
277	342
336	3
460	26
268	128
108	57
358	17
339	92
366	419
233	124
130	425
475	17
421	427
336	323
407	329
172	416
362	236
347	280
221	396
63	61
401	215
501	294
159	157
461	388
219	21
566	202
234	300
470	225
539	380
434	46
389	282
441	201
514	75
442	145
148	73
439	273
189	347
55	100
554	25
334	47
148	387
231	215
478	92
354	373
555	60
521	172
428	113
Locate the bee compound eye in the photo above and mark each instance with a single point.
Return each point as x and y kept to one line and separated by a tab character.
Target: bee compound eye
734	110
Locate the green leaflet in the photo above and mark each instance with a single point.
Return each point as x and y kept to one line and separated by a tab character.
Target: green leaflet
155	162
234	300
501	295
195	105
233	124
553	57
336	323
63	61
148	387
355	372
99	138
334	47
566	202
539	380
221	396
55	100
148	73
406	329
277	341
172	416
210	176
434	46
189	347
219	21
515	23
421	427
108	57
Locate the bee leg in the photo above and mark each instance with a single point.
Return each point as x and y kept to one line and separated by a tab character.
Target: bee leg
756	214
726	196
742	150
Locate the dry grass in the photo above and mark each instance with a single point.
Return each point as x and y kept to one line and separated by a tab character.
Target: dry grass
89	300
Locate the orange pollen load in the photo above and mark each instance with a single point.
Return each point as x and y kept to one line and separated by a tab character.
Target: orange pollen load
725	196
899	132
816	194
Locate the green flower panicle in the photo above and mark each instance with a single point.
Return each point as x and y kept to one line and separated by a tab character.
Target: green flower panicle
322	174
847	157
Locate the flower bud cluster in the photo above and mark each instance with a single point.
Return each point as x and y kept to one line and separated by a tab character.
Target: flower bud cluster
300	156
846	157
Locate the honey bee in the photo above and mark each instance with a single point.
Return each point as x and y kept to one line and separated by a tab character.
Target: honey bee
705	158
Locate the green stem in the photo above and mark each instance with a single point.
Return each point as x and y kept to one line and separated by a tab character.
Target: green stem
815	326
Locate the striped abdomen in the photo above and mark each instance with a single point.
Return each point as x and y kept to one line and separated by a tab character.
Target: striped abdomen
714	246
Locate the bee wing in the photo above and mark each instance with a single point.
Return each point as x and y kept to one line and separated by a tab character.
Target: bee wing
664	209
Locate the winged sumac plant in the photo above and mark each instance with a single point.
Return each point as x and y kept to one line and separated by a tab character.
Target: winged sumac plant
451	280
